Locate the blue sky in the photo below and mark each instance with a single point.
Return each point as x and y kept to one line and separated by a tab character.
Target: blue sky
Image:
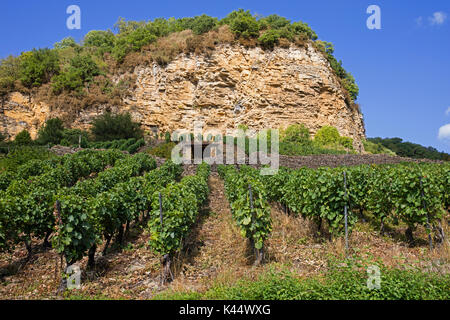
403	70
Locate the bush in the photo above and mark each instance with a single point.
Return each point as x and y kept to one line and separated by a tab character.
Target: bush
51	132
242	23
109	127
38	67
23	138
327	135
163	150
296	133
269	39
81	70
346	142
71	136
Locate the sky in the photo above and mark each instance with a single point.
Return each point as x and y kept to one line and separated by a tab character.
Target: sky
402	69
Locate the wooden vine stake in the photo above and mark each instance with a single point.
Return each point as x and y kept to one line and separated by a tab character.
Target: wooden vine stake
430	240
258	252
346	214
165	259
63	282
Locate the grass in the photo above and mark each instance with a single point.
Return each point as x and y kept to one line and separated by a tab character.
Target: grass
345	280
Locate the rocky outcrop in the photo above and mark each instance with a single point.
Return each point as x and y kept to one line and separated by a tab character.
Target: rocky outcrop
232	86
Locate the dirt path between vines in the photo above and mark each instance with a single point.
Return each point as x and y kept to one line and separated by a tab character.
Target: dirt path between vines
215	249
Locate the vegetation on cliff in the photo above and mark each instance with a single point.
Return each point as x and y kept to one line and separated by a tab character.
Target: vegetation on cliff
72	76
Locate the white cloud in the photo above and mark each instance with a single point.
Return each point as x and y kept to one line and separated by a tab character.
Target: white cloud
438	18
447	113
419	21
444	132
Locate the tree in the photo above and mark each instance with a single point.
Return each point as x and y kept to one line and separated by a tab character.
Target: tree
68	42
104	41
23	138
9	73
242	23
327	135
109	127
82	70
38	67
297	133
51	132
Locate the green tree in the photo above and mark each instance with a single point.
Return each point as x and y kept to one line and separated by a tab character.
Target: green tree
65	43
296	133
23	138
104	41
51	132
109	127
9	73
242	23
327	135
38	67
82	70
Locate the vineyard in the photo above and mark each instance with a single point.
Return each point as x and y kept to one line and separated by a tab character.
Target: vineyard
79	204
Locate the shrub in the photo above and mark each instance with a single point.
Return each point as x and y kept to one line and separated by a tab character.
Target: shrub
327	135
82	69
346	142
38	67
103	41
296	133
242	23
269	39
71	136
109	127
51	132
163	150
23	138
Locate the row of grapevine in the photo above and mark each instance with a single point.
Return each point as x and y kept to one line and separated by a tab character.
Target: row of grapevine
96	210
174	211
415	194
131	145
248	199
26	204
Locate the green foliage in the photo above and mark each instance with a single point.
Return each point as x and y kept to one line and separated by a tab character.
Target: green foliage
81	70
103	41
9	74
38	67
376	148
163	150
344	281
242	23
255	223
109	127
269	38
410	150
23	138
180	205
297	133
22	154
327	135
65	43
392	192
71	136
52	132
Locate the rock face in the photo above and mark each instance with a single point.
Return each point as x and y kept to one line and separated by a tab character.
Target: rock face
230	87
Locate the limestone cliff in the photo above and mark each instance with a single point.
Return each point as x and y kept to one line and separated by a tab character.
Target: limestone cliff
231	86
